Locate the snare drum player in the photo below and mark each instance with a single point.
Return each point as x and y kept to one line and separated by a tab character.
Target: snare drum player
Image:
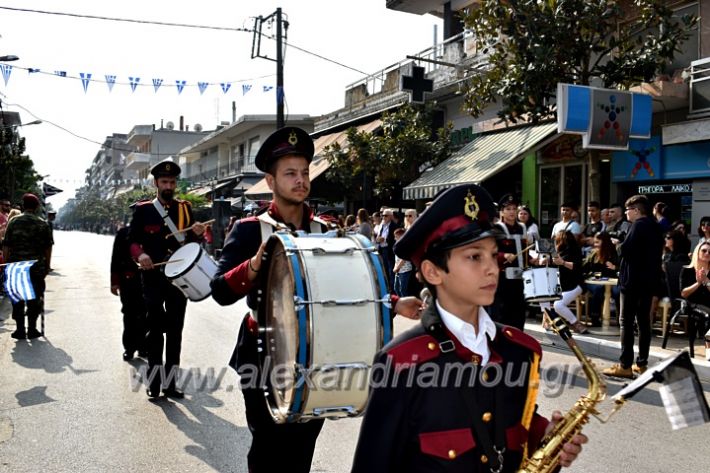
441	395
284	157
509	304
152	222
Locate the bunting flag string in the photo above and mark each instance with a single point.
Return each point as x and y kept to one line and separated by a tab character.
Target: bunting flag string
85	78
110	81
135	81
6	71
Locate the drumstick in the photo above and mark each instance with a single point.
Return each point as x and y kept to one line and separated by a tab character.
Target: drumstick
163	263
524	250
188	228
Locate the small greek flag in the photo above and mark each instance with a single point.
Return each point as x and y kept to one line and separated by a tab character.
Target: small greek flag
18	285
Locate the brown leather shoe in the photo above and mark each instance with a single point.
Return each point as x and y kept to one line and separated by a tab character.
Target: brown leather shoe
639	369
619	371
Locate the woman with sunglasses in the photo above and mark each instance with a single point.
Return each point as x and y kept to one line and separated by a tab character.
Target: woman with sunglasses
695	285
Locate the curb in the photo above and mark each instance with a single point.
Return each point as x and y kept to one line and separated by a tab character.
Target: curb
610	349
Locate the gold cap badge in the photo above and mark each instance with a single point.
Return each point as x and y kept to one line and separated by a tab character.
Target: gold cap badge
292	138
471	206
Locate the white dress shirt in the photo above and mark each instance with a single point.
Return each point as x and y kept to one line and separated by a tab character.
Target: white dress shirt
466	333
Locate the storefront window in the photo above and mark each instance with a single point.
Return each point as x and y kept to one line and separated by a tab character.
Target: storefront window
560	184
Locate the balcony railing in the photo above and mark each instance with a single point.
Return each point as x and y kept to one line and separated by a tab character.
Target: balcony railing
459	50
137	161
700	87
192	171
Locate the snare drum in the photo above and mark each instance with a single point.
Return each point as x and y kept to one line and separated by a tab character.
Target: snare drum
191	269
541	284
323	315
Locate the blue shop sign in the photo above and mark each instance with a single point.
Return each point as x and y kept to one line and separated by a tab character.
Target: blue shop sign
641	162
648	160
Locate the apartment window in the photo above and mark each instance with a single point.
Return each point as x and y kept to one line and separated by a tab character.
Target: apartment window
254	144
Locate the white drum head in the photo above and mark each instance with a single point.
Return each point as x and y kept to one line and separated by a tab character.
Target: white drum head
188	254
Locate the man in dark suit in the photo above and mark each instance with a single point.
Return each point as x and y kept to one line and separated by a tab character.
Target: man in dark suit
639	273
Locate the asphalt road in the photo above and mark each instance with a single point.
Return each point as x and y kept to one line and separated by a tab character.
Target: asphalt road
70	403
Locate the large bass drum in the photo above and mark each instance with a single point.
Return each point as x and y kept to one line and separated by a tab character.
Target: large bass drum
323	314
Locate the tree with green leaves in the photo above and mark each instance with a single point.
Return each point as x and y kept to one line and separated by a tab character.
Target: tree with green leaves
534	44
17	173
392	159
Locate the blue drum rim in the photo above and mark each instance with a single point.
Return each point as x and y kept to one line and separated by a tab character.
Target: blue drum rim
382	283
302	355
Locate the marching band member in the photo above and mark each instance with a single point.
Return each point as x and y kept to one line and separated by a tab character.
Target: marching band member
441	397
284	157
509	304
152	222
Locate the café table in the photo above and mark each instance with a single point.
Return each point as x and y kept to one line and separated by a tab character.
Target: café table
608	284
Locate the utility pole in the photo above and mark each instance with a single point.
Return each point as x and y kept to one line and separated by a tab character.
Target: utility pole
279	73
281	33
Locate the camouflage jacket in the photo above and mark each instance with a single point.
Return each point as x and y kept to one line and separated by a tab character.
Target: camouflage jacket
27	238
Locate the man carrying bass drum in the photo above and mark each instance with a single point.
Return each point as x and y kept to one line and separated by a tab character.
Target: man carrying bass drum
284	157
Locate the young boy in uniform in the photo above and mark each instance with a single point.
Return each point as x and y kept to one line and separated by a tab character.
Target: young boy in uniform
457	392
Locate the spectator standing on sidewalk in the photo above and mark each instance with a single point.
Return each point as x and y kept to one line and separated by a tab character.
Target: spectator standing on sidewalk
594	226
660	209
619	226
640	270
363	224
27	238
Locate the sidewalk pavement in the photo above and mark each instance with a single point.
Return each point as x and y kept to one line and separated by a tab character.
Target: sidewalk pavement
609	347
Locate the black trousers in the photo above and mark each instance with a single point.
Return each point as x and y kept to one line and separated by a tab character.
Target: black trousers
34	307
135	326
635	307
274	447
509	304
166	305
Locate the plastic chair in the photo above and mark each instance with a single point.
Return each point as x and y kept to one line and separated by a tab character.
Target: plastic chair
696	315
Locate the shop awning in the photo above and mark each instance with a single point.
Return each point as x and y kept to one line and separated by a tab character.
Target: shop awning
320	164
204	190
480	159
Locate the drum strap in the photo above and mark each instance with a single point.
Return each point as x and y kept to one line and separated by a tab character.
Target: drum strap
168	221
268	225
517	239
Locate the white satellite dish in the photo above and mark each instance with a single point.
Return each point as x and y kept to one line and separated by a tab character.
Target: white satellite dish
170	126
198	127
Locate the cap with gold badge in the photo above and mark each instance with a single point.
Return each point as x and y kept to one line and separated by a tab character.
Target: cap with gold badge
288	141
166	168
459	216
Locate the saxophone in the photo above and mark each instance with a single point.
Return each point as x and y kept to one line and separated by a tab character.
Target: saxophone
547	457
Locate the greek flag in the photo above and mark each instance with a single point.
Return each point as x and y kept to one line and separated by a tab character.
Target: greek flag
18	285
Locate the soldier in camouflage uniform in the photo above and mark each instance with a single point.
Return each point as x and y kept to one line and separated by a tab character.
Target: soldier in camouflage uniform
27	238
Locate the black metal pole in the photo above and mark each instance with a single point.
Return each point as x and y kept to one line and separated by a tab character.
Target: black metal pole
279	73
